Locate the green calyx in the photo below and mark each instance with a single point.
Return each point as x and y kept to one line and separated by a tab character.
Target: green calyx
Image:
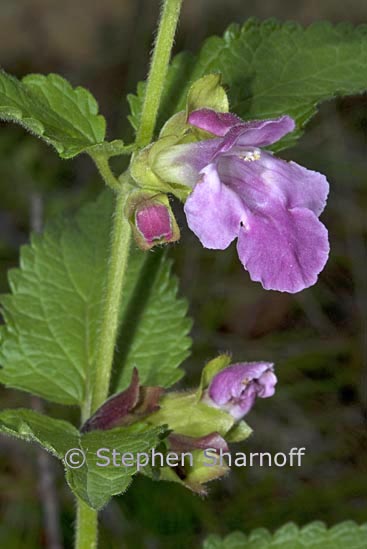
195	476
143	172
207	92
191	421
210	370
187	413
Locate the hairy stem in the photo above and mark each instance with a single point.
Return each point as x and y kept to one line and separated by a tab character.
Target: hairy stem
120	244
87	519
87	527
106	172
158	70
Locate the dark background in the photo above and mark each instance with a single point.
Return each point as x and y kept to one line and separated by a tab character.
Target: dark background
317	338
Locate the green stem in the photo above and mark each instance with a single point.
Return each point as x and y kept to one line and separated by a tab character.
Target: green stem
158	70
104	169
87	518
115	279
87	527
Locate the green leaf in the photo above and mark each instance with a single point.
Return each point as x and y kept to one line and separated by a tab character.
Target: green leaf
93	482
99	478
51	108
314	536
48	342
271	68
55	435
154	323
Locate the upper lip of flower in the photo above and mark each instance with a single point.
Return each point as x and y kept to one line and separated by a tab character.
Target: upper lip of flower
234	131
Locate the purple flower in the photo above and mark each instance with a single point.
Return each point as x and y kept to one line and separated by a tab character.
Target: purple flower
242	191
236	388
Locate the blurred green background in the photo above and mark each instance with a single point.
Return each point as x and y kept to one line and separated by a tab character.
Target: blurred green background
317	338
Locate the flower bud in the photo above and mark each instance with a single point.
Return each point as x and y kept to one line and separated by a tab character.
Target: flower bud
194	473
235	388
131	405
152	220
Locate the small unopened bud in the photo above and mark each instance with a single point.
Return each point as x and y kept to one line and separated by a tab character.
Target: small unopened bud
236	387
182	443
131	405
154	223
152	220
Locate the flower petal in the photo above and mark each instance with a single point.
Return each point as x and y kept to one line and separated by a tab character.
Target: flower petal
229	382
154	223
259	133
214	211
255	133
269	178
236	388
268	380
217	123
302	188
283	249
